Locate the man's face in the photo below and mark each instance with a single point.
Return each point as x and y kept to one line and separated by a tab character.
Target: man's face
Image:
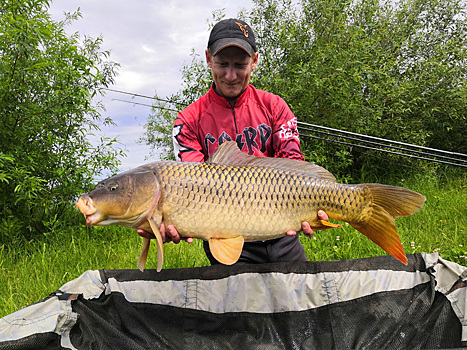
231	70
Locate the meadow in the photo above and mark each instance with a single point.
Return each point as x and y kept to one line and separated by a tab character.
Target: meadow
31	270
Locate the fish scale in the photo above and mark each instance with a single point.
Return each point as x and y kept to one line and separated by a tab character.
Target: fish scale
257	203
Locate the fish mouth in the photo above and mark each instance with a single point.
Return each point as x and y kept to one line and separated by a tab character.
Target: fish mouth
90	212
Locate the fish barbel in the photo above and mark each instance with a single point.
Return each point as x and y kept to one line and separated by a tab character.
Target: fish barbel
234	197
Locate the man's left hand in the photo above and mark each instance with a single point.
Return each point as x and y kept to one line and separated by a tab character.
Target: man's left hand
307	230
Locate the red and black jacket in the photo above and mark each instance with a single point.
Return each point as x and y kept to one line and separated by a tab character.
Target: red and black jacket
260	122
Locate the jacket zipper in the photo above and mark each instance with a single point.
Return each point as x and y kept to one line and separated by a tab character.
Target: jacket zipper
235	119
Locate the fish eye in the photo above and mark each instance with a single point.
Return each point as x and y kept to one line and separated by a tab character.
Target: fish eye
113	187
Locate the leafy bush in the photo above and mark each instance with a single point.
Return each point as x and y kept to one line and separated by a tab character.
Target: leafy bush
395	70
47	83
391	69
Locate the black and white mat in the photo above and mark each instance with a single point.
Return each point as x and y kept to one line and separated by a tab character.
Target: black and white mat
374	303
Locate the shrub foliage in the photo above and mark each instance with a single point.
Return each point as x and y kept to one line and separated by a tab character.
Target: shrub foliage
47	82
391	69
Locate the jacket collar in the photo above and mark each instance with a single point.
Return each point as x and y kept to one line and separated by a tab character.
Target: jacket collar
222	101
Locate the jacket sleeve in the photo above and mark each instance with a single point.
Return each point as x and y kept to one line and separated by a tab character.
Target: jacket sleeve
286	139
186	145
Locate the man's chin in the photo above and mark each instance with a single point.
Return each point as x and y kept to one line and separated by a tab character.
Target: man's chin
230	92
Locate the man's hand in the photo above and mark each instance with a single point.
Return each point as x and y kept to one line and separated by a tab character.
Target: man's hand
169	234
307	231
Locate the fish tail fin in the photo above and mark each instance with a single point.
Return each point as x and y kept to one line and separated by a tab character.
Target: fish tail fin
397	201
389	202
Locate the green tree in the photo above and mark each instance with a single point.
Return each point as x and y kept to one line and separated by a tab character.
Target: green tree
391	69
47	82
395	70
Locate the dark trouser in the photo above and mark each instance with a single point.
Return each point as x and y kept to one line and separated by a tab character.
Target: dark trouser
287	248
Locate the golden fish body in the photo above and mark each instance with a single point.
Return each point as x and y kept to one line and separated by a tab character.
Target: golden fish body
235	198
205	200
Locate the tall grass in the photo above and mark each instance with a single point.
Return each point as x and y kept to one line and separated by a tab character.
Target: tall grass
29	271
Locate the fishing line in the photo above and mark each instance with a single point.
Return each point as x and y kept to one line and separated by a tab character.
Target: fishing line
144	96
423	153
383	150
389	145
144	104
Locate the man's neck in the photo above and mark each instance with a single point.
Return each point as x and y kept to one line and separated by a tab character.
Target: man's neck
230	100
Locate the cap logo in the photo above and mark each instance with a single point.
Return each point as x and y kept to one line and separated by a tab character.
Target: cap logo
243	29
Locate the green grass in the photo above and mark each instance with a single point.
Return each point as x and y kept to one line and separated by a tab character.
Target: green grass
30	271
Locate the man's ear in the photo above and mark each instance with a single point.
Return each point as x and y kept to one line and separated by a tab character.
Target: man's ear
208	58
255	59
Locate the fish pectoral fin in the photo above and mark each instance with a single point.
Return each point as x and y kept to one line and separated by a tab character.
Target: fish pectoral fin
160	248
226	250
321	225
144	254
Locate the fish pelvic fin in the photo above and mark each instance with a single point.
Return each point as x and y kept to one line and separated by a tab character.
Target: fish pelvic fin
143	257
389	202
226	250
160	248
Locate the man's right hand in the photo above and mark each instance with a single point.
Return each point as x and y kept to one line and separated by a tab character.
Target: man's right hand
168	235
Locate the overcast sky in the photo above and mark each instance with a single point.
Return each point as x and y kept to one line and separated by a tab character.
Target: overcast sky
151	40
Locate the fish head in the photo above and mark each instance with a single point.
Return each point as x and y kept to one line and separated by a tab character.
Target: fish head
127	199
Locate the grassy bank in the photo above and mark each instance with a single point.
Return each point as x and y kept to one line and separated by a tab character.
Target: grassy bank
29	271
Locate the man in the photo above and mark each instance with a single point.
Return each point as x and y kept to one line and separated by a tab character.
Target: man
261	123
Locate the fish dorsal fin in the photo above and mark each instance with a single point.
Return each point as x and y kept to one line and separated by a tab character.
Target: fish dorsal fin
226	250
229	154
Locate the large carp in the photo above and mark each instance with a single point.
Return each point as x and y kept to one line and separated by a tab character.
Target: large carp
235	197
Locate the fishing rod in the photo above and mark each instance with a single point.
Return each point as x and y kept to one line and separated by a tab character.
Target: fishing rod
381	139
383	150
389	145
390	148
363	141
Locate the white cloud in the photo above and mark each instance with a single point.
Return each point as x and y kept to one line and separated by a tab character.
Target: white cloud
151	40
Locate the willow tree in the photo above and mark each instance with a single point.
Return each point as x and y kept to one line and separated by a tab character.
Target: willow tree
392	69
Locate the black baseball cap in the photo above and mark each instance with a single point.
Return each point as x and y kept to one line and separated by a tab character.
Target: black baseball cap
232	32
